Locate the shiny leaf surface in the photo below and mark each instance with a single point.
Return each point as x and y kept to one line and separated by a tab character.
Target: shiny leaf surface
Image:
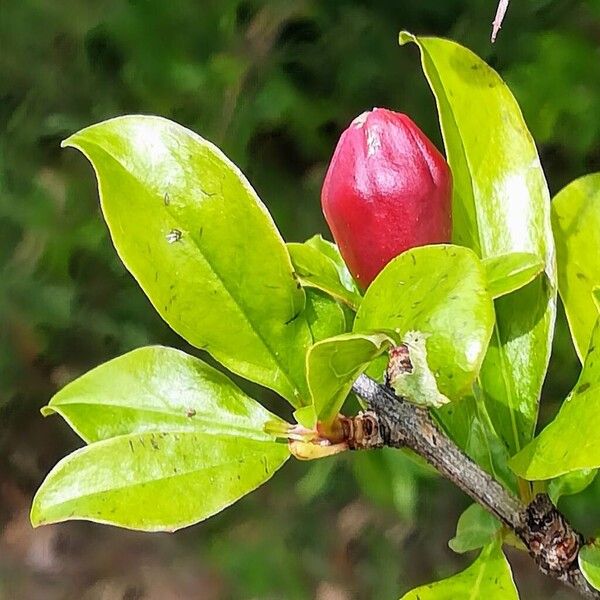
158	389
510	272
500	206
334	364
194	234
439	291
576	224
570	442
316	269
155	481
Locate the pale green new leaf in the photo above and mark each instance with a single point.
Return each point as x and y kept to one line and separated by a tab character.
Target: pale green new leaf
316	269
155	481
589	563
334	364
576	224
510	272
488	577
475	528
158	389
571	441
439	291
193	232
500	205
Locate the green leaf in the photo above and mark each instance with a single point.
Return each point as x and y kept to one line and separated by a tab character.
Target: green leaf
316	269
418	384
488	577
155	481
576	224
194	234
331	250
334	364
570	442
439	291
500	206
570	483
589	563
324	315
158	389
475	528
510	272
596	297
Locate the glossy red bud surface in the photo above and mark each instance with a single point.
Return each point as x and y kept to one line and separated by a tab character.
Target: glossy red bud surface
387	189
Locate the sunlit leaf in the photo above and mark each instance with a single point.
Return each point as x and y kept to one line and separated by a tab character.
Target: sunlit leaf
500	206
324	315
475	528
155	481
158	389
510	272
439	291
576	224
488	577
334	364
194	234
571	441
316	269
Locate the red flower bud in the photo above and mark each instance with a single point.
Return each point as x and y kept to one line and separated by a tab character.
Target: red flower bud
387	189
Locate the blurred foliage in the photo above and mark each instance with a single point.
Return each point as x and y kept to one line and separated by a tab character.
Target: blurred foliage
273	83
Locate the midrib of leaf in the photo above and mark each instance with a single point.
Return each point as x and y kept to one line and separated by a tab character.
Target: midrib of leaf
480	240
281	368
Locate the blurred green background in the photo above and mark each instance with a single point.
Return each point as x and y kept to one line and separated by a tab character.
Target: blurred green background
273	83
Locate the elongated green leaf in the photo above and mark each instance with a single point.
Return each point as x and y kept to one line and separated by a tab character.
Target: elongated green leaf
334	364
155	481
570	483
194	234
488	577
571	441
158	389
316	269
440	292
500	206
576	224
589	563
475	529
510	272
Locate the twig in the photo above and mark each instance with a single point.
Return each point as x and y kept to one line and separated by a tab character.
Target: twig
392	421
497	23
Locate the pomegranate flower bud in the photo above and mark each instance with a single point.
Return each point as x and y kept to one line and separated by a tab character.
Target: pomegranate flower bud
387	189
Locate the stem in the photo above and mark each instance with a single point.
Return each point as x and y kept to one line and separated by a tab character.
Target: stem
392	421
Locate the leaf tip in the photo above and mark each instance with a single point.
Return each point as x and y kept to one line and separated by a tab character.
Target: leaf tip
405	37
47	410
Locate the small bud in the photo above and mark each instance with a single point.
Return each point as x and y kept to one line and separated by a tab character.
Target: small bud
387	189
